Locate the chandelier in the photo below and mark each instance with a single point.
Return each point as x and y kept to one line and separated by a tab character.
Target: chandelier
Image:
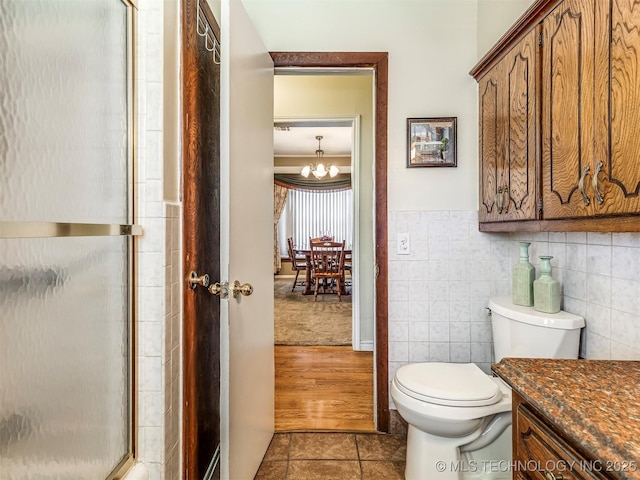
319	169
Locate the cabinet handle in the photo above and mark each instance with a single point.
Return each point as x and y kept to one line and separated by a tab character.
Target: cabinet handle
505	190
594	182
585	198
550	476
499	199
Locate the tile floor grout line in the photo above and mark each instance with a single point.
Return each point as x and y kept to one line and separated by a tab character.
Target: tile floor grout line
355	439
286	469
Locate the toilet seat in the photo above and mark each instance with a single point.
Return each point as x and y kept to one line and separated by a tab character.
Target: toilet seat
450	384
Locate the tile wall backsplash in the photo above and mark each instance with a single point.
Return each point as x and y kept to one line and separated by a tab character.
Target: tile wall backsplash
158	267
438	294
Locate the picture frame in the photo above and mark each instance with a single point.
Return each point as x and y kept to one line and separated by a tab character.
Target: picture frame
431	142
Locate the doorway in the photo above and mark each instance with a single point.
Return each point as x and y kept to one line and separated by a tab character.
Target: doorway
377	62
318	206
317	337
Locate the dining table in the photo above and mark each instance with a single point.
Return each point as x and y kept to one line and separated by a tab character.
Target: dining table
307	256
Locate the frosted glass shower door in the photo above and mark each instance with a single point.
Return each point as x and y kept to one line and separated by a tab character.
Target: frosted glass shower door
66	245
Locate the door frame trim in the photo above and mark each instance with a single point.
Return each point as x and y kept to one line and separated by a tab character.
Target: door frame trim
378	61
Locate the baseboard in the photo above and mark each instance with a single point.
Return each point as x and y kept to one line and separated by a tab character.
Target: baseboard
366	347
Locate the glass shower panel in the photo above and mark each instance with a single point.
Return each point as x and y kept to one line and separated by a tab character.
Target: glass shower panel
65	303
63	110
63	357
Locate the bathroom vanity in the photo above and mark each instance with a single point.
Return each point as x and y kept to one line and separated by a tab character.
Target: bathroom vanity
574	419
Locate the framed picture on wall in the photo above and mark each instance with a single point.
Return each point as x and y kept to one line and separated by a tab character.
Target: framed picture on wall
431	142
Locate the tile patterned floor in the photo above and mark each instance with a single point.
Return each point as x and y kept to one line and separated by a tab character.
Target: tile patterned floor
334	456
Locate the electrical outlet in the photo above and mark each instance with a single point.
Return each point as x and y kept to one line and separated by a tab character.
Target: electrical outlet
403	244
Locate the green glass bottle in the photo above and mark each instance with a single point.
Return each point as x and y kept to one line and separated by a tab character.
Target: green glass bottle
522	278
546	290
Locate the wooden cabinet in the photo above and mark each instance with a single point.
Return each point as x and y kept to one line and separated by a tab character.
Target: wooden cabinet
559	116
567	108
618	116
590	109
507	135
540	453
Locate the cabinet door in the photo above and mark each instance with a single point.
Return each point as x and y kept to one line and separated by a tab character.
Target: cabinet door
618	109
518	175
491	155
541	454
568	109
507	136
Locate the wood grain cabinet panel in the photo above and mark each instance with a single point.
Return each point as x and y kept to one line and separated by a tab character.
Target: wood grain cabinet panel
559	120
539	453
617	46
507	135
591	109
490	153
567	108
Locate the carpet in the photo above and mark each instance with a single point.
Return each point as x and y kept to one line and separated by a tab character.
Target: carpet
301	321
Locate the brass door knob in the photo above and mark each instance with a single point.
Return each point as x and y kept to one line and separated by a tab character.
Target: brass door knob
221	289
194	280
244	289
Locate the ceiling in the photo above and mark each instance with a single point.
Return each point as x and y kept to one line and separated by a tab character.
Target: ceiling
298	139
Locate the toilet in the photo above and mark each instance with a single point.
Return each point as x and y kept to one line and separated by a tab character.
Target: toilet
459	417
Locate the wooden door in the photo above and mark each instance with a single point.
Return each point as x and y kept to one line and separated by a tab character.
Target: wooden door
567	109
201	239
617	157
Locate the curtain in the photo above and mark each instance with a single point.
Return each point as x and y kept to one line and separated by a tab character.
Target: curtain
342	181
280	194
317	213
314	213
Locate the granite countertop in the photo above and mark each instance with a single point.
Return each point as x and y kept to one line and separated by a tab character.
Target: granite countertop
594	403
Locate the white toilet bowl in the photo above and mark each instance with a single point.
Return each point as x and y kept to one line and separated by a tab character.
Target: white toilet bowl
459	417
448	407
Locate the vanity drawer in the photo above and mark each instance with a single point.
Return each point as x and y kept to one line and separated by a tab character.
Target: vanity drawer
540	454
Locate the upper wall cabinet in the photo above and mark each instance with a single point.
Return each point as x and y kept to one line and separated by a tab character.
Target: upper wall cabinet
568	109
567	157
507	135
616	185
591	109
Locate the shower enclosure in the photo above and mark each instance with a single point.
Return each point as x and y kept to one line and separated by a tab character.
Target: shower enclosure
66	238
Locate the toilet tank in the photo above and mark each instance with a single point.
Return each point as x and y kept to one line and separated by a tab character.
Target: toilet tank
523	332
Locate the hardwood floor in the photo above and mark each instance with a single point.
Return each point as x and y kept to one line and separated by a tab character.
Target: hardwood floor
323	388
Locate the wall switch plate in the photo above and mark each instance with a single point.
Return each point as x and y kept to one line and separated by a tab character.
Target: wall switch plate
403	244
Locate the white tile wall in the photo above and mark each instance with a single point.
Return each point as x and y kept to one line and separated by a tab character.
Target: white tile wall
438	294
158	268
600	275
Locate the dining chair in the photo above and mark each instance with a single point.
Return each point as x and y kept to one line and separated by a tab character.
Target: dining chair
348	268
327	263
298	263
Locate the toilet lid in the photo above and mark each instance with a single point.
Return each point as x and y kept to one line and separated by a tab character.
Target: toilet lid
453	384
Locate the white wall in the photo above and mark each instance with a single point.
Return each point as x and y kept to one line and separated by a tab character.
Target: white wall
495	17
432	47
